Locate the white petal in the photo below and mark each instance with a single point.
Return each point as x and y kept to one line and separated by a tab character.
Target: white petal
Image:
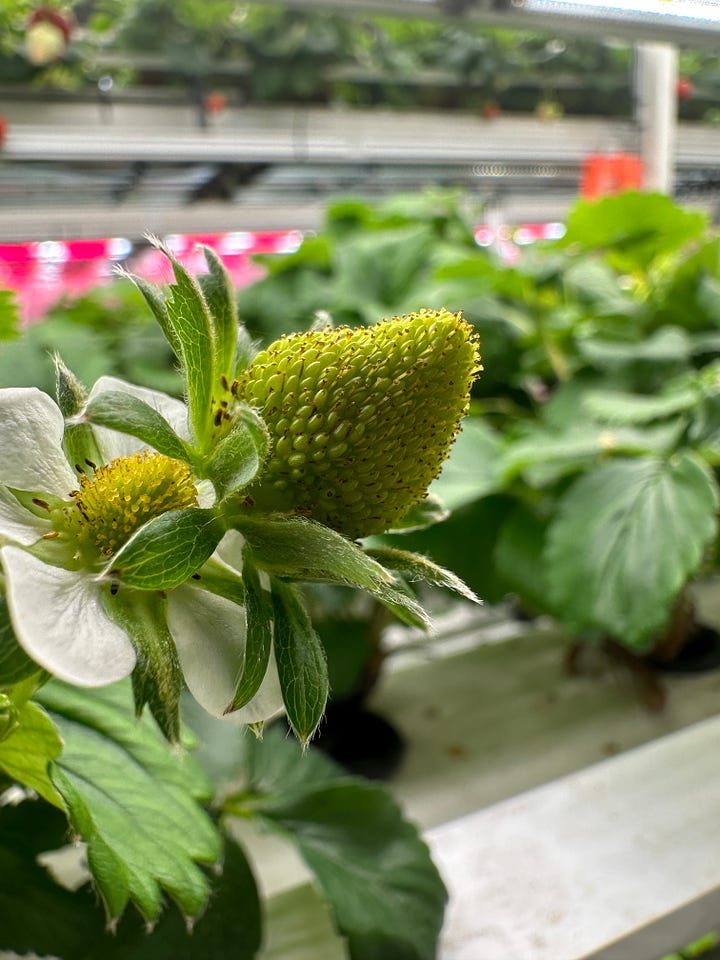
59	619
229	550
209	633
113	444
205	493
17	523
31	454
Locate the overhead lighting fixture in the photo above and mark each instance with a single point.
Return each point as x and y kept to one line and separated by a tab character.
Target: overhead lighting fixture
687	13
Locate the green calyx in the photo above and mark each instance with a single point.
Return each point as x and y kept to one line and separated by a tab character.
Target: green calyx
361	419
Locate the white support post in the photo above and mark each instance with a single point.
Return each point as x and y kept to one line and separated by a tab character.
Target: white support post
656	76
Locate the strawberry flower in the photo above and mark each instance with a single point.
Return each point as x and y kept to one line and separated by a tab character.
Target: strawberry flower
60	523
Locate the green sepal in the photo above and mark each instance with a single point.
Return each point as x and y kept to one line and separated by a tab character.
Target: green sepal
81	447
190	318
129	414
217	578
257	729
301	663
424	514
167	550
70	394
299	549
239	456
258	643
245	351
219	294
157	679
79	443
414	566
155	300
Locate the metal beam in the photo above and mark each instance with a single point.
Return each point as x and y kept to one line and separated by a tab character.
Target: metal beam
80	131
169	133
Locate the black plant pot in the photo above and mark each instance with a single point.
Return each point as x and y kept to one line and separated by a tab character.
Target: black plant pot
701	652
351	734
361	741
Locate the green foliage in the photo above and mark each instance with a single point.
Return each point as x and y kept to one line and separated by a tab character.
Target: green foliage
278	53
624	541
472	468
348	830
134	803
612	374
73	928
635	231
698	948
30	747
107	331
9	320
369	263
28	893
15	665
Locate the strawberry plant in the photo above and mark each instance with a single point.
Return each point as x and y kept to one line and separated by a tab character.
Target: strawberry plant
598	499
154	549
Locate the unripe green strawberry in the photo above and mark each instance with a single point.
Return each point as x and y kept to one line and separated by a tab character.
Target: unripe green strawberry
361	418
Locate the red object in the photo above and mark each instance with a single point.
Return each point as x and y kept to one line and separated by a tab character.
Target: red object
608	173
63	22
685	88
215	102
47	36
490	110
3	130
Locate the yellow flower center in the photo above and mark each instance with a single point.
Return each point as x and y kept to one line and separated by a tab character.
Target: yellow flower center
119	497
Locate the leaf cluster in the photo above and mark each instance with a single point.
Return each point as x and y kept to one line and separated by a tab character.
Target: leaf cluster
105	332
227	444
150	833
587	485
601	376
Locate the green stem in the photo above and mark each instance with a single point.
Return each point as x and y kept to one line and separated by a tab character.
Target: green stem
243	805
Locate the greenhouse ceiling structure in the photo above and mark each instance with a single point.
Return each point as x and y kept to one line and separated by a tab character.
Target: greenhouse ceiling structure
257	125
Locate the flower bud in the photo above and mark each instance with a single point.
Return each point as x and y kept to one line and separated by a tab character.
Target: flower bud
361	419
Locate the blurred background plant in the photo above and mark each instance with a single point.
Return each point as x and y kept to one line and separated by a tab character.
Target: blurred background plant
259	52
106	331
584	482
